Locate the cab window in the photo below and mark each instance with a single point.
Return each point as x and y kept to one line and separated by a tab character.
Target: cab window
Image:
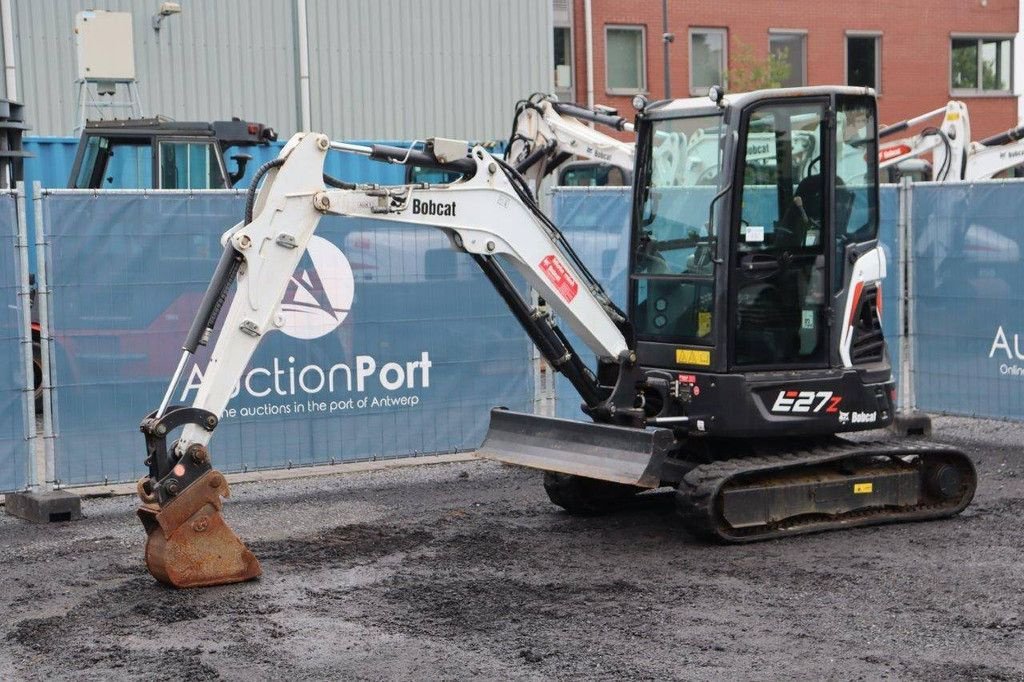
110	163
673	251
189	165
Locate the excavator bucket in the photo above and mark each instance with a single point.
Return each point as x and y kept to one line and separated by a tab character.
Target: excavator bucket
609	453
189	544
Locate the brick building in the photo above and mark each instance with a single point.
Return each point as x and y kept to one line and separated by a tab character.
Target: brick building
916	53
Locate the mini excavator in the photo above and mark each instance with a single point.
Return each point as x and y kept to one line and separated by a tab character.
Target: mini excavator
751	339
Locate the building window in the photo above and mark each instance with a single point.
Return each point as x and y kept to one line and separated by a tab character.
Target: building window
981	65
563	58
790	48
708	58
625	60
864	61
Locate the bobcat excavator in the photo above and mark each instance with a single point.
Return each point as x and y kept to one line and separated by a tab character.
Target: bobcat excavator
750	341
955	158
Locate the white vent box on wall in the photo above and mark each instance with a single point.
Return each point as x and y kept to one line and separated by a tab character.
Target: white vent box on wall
104	46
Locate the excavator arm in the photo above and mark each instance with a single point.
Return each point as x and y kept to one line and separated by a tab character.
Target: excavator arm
487	214
948	142
546	133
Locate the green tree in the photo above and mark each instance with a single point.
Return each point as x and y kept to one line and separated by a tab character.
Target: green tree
965	64
750	72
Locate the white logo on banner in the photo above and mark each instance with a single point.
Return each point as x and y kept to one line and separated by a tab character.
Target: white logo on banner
320	293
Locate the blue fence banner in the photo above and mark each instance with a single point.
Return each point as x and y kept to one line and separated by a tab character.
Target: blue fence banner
393	344
967	241
888	239
15	451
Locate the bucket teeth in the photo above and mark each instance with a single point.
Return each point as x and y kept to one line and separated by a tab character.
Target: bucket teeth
189	544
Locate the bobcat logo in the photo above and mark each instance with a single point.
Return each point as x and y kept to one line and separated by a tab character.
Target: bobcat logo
320	293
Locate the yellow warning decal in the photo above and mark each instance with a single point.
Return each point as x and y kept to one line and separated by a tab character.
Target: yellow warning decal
862	488
703	323
691	356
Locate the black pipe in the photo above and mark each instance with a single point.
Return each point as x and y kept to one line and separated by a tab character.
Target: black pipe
576	111
418	157
894	128
1011	135
550	341
535	156
213	299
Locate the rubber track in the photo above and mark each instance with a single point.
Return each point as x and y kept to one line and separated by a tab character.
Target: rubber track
696	494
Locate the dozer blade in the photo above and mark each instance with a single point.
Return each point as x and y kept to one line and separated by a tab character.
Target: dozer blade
189	544
608	453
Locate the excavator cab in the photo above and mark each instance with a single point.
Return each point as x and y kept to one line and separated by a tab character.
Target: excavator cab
743	251
160	153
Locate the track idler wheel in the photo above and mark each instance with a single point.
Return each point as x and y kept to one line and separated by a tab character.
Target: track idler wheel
586	496
189	544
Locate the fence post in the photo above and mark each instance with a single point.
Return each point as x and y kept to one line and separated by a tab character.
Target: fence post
908	421
43	306
36	456
41	503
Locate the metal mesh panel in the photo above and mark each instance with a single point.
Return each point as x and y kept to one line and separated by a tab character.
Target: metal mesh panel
14	447
966	274
127	272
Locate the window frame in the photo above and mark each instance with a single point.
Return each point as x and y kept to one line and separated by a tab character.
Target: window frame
214	156
724	32
979	91
642	67
571	56
877	35
792	32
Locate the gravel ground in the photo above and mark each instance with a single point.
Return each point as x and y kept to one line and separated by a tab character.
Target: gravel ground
467	571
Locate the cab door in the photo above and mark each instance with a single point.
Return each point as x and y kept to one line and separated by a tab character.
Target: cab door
779	315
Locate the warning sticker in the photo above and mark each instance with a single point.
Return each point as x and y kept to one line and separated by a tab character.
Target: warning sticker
692	356
565	284
703	323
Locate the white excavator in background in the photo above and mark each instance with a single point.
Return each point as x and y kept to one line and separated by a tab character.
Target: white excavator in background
954	156
749	342
549	136
550	145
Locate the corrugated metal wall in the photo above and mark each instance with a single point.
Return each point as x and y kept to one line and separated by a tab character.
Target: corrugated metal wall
433	67
398	69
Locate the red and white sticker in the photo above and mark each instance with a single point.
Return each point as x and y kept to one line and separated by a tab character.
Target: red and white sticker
564	283
807	402
887	153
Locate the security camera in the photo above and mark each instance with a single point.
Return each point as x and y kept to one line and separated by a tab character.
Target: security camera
166	10
169	8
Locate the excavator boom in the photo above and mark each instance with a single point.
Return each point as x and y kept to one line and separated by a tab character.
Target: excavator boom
488	214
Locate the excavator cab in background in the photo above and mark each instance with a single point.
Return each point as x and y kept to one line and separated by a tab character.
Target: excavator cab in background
751	341
160	153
